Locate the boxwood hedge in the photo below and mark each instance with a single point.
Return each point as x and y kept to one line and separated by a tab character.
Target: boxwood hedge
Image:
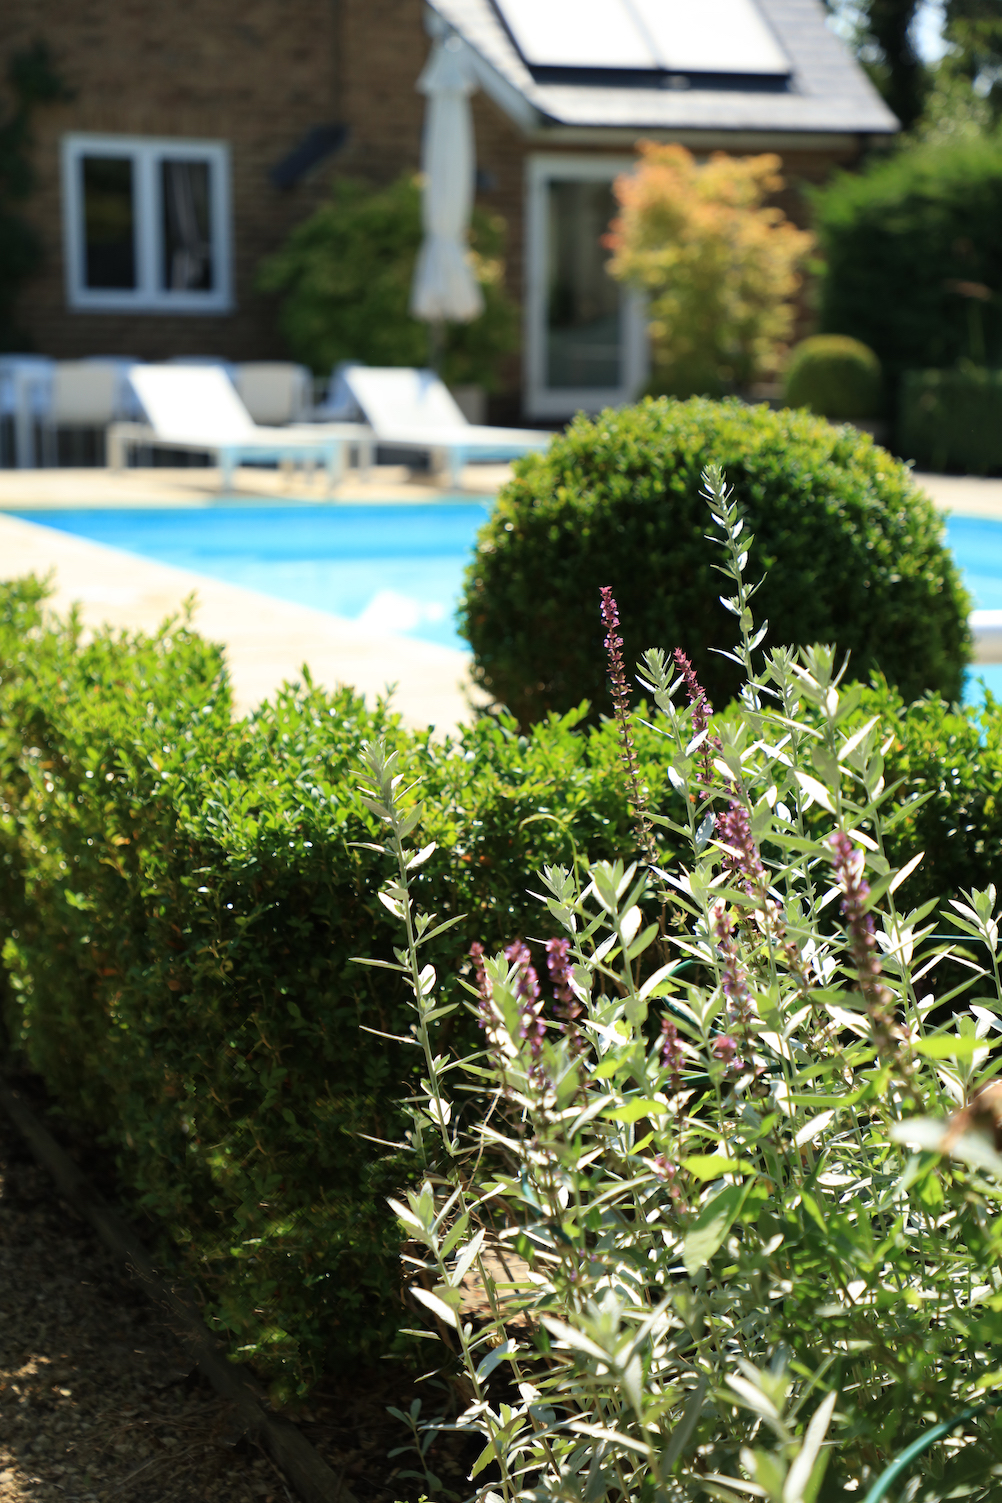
181	898
852	552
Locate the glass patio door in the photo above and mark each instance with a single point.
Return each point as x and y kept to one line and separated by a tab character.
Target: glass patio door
585	345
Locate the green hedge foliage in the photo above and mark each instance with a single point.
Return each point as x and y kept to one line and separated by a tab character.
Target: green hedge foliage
836	377
952	420
853	554
344	277
182	898
906	245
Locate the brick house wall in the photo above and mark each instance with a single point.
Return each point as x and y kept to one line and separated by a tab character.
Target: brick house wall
258	74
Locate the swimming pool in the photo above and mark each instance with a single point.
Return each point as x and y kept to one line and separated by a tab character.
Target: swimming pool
398	568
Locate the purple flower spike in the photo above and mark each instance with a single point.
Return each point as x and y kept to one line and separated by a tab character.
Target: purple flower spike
732	978
533	1027
701	712
559	968
734	829
671	1053
621	703
483	985
725	1048
849	862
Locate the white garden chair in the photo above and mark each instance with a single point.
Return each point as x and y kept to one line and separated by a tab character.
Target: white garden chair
196	408
414	409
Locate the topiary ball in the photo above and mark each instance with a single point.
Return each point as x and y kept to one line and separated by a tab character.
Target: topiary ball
852	552
837	377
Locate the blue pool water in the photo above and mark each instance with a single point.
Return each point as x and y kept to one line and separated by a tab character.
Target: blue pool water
396	568
977	547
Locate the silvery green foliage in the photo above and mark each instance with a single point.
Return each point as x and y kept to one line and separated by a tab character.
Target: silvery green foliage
736	1235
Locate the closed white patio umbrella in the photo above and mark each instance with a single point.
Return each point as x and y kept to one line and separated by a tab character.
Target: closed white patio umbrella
445	288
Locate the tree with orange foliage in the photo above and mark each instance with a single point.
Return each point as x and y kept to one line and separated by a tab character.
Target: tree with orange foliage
718	265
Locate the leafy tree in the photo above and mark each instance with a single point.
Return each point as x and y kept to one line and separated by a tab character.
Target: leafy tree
881	33
912	254
344	276
898	71
718	265
974	30
32	80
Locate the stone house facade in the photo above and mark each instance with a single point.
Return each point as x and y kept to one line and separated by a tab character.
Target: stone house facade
200	132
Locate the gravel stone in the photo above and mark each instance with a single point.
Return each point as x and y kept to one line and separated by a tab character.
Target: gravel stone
99	1402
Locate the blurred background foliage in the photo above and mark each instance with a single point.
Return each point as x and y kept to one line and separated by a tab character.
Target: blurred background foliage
343	279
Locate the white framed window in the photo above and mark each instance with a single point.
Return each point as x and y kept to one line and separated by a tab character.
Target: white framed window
586	341
146	224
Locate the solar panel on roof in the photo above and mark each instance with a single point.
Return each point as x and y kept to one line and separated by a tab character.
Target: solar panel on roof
683	36
710	36
577	33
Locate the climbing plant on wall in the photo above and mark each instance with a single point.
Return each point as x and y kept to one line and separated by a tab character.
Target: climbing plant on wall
32	80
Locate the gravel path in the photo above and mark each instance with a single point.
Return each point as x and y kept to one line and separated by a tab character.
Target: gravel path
98	1401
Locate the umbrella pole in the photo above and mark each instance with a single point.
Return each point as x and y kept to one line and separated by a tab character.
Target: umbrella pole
436	344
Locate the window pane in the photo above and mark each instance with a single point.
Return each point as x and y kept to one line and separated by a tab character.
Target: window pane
583	324
109	223
187	259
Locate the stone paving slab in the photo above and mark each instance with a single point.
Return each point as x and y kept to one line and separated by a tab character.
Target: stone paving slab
968	495
24	490
266	640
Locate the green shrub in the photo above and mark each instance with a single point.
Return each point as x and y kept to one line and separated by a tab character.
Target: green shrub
344	276
73	719
908	244
742	1137
32	81
952	420
183	899
854	553
836	377
180	926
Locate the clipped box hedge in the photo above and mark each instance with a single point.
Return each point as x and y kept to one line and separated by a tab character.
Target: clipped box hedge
907	243
853	553
952	419
182	898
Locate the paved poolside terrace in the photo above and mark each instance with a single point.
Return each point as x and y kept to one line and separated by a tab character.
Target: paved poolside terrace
268	640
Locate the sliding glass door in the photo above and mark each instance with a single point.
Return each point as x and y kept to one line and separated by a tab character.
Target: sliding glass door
586	346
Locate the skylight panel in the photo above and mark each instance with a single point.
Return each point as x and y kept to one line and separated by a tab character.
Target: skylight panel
710	36
577	33
674	36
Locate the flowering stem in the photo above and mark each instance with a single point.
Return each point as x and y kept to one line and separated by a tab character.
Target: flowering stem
621	703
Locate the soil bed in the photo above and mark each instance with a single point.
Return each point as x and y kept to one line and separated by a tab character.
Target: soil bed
100	1402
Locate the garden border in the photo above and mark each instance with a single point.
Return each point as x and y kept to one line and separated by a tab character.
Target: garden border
305	1469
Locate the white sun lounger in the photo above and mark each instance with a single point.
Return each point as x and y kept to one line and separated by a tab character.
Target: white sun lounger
412	409
196	407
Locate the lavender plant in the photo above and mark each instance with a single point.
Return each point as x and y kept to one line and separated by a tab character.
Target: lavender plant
725	1167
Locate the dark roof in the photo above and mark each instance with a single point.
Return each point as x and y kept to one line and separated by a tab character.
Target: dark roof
826	92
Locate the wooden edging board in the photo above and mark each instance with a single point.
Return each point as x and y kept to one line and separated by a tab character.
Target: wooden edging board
308	1473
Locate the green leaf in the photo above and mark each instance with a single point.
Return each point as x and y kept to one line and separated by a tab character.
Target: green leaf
950	1046
683	1430
712	1165
634	1109
435	1305
608	1067
707	1233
